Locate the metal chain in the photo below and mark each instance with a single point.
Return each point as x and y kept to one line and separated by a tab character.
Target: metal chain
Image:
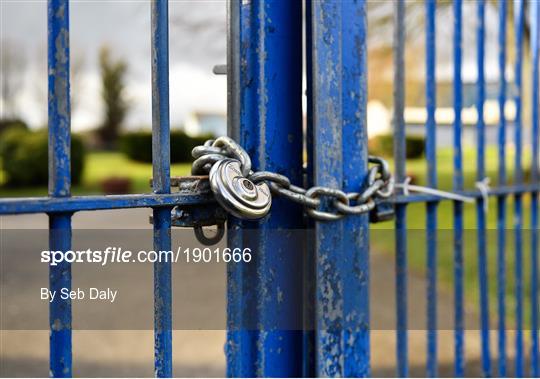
321	203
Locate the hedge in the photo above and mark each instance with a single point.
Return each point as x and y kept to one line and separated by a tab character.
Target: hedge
383	145
12	123
24	156
137	145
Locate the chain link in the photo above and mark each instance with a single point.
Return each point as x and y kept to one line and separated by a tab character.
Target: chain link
321	203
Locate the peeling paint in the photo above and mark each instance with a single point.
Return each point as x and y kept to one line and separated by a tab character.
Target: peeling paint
59	184
270	130
340	161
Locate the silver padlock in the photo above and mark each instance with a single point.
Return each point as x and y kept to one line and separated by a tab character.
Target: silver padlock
236	193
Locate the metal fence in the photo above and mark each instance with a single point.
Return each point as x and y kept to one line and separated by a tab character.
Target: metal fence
518	189
265	69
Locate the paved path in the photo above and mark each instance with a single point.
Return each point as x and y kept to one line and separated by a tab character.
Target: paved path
196	353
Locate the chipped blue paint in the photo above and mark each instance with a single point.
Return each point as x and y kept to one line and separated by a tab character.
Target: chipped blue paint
241	347
89	203
59	101
161	184
60	309
355	256
338	64
270	130
327	171
59	182
274	125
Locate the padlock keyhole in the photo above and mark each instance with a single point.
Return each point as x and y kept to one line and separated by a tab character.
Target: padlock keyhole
246	183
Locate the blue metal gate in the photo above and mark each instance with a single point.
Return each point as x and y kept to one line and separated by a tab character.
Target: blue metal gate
265	66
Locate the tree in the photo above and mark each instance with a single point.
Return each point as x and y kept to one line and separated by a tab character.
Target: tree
115	104
12	74
76	72
39	84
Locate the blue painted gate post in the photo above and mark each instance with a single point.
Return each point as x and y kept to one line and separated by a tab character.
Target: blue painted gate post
337	61
265	295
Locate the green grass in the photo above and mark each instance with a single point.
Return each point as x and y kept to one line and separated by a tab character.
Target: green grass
105	165
102	165
382	235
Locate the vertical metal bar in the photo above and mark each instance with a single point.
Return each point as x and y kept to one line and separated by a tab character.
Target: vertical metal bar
400	156
243	350
233	69
241	340
271	67
501	200
355	256
535	177
518	179
431	207
274	140
59	182
457	185
327	171
161	184
60	309
480	174
340	161
241	337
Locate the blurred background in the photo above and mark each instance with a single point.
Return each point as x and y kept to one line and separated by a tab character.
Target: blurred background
110	87
111	111
110	90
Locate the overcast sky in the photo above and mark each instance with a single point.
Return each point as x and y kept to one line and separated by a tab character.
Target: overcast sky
197	42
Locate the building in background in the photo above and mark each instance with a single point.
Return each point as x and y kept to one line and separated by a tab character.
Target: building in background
206	122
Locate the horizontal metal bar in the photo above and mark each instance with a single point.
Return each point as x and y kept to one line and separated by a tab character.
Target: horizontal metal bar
22	205
90	203
495	191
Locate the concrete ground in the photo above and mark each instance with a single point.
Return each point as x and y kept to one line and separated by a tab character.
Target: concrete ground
114	353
